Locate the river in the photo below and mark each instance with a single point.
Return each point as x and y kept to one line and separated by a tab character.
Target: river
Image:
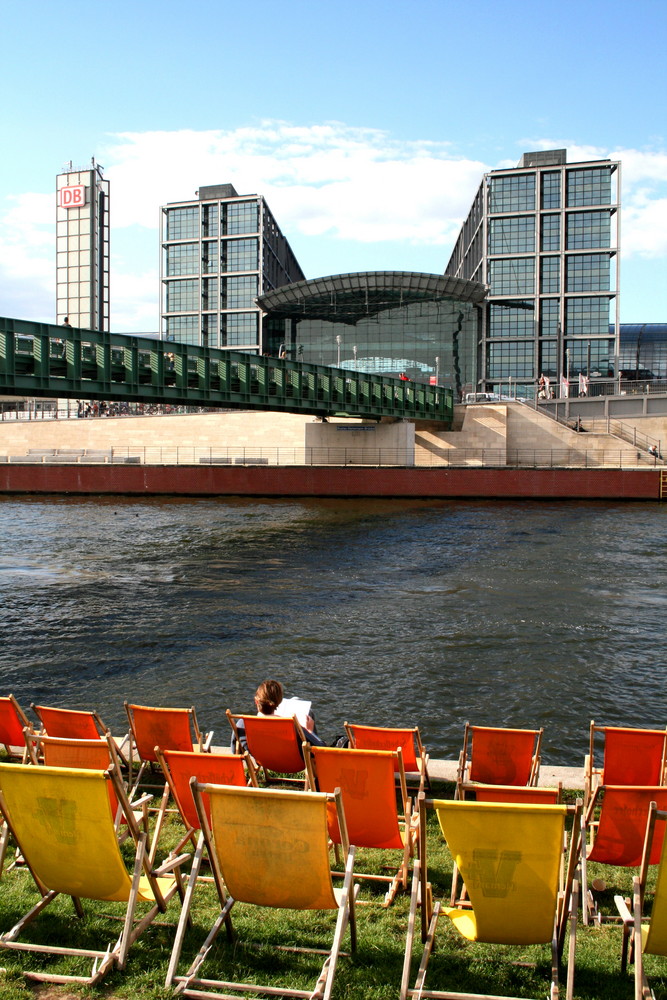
382	611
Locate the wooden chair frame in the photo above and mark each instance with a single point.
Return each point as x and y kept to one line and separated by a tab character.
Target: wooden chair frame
288	756
190	984
630	756
466	772
77	724
415	757
185	733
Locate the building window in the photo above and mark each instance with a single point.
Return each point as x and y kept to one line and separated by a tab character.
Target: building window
210	252
548	358
241	217
241	292
587	315
238	329
182	328
587	272
209	222
590	356
551	189
515	359
209	293
550	232
182	296
549	317
512	319
549	275
209	329
182	223
512	235
515	193
515	276
240	255
591	186
182	258
587	229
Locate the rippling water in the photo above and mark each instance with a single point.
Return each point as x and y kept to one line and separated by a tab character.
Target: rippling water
381	611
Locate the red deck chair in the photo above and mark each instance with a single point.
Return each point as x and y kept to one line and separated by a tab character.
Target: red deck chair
274	742
178	767
74	724
415	758
616	837
499	756
366	781
13	721
630	757
168	728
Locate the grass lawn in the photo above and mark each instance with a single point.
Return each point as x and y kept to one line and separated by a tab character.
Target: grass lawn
373	973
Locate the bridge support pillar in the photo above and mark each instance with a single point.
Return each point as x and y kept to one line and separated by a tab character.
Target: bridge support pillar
344	442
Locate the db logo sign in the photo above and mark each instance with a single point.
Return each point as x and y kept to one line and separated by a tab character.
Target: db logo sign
72	197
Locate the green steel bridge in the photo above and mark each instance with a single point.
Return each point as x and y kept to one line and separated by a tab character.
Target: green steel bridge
44	360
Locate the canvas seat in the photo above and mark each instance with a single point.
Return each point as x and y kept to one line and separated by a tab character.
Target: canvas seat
274	742
178	767
75	724
614	831
366	782
168	728
269	848
629	757
646	937
415	757
13	721
499	756
62	820
509	855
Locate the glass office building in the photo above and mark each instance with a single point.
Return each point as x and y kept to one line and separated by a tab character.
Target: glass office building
218	253
82	247
543	237
424	326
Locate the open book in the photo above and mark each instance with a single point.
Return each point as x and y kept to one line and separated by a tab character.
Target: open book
295	706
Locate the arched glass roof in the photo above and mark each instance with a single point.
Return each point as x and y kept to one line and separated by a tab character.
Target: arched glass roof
347	298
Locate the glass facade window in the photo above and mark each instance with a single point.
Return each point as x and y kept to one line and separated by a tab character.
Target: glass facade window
209	220
587	315
515	358
240	255
241	217
549	275
600	353
514	276
548	363
551	189
587	272
182	328
210	253
182	223
239	329
550	237
512	319
549	317
240	293
209	293
182	258
209	329
512	235
590	186
182	296
587	229
514	193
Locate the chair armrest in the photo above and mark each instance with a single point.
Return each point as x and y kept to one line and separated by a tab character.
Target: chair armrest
169	864
208	740
141	801
622	905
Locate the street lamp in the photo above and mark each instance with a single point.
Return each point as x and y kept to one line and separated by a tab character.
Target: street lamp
338	341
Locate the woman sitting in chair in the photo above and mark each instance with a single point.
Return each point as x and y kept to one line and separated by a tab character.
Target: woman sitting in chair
269	701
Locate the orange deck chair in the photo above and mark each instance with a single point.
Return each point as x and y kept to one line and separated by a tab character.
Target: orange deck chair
178	767
366	781
75	724
13	721
168	728
614	834
274	742
499	756
629	757
415	758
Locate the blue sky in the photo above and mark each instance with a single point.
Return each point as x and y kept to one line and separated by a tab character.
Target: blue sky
366	125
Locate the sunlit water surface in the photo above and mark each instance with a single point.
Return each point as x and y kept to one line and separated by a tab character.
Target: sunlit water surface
384	612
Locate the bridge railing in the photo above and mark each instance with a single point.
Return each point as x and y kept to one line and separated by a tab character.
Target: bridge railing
43	360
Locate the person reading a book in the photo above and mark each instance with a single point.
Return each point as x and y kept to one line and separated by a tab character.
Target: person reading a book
270	700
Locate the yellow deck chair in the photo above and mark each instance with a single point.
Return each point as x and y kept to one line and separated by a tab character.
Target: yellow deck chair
62	821
509	855
646	938
268	847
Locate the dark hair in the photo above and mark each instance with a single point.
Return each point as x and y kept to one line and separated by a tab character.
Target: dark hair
268	696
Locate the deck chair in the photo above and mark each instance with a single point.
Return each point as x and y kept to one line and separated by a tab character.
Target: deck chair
178	767
268	847
274	742
629	757
366	781
614	833
510	857
499	756
646	938
74	724
62	821
168	728
415	758
13	721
